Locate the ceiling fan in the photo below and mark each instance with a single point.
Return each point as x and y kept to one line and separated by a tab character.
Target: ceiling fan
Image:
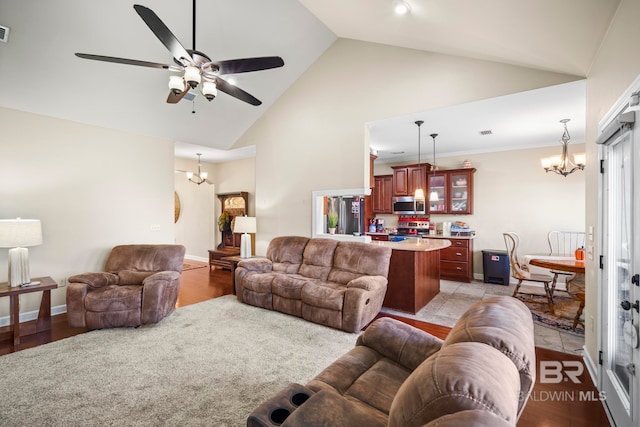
195	66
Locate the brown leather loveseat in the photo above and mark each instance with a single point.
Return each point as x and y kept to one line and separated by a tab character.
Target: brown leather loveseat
326	281
139	286
400	376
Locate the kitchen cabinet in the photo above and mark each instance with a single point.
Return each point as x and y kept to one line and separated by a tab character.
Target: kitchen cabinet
381	194
379	237
455	191
456	261
407	178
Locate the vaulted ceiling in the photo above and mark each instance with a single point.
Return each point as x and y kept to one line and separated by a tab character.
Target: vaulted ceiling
40	74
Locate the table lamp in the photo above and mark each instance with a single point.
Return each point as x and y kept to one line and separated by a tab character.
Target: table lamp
245	225
18	234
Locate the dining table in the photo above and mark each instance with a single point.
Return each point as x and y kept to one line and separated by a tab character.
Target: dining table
575	285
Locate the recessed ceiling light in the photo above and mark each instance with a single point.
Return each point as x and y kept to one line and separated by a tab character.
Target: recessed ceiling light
401	7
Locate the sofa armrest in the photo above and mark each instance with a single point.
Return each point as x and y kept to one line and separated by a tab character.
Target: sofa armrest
76	292
159	296
368	283
400	342
95	280
161	276
259	264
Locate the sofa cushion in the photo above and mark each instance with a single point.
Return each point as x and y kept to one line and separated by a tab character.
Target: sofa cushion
354	259
318	258
286	253
379	384
259	282
504	323
324	294
114	298
462	376
289	285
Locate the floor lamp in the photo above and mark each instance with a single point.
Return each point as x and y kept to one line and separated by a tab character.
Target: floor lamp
245	225
18	234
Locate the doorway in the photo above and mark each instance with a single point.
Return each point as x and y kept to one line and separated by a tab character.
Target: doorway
620	267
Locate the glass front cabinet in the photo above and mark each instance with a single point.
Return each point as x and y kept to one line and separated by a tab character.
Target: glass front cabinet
454	189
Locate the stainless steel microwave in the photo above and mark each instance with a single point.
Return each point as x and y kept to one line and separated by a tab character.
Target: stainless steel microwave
408	205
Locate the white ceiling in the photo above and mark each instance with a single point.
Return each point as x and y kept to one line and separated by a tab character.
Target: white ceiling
40	74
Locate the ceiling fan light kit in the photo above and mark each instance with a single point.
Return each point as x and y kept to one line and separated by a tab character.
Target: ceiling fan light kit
196	66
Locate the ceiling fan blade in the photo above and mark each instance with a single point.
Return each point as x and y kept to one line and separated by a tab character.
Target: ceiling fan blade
174	99
236	92
123	61
163	33
234	66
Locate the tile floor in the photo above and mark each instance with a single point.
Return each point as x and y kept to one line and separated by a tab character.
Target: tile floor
455	298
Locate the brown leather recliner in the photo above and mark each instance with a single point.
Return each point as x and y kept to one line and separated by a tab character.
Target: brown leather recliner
139	286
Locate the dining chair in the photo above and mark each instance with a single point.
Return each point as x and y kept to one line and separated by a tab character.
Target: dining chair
563	244
520	271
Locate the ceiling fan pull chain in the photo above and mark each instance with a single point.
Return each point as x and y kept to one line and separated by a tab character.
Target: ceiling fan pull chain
193	108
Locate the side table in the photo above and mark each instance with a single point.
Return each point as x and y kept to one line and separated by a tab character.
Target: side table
44	315
216	255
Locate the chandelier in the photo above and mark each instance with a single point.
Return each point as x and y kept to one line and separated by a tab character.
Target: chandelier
561	164
200	177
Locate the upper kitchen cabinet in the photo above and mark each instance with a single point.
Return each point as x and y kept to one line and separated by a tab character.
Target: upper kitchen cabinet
381	194
372	159
455	191
407	178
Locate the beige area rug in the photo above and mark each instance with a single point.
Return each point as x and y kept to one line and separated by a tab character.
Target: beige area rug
565	309
192	266
208	364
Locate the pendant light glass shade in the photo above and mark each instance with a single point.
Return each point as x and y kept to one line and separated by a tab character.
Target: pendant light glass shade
433	196
419	194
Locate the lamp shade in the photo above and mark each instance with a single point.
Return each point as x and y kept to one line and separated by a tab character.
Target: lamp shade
244	224
20	233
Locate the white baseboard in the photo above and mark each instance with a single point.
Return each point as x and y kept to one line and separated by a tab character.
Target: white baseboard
196	258
33	315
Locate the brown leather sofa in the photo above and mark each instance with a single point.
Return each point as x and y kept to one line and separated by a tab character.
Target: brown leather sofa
139	286
400	376
333	283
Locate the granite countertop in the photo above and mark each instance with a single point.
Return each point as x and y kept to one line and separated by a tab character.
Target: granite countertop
416	245
452	236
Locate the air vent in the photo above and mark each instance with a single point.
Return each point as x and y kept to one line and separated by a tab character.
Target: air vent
486	132
4	34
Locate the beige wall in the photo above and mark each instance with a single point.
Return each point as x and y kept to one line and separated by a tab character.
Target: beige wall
614	69
92	188
196	227
313	137
514	193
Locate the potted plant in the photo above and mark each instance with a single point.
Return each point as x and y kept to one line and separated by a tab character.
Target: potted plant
332	221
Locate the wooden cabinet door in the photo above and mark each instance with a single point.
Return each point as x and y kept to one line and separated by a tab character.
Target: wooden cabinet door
400	181
416	179
438	184
381	194
461	191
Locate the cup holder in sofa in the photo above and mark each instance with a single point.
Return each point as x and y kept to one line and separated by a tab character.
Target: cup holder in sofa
299	398
278	415
279	407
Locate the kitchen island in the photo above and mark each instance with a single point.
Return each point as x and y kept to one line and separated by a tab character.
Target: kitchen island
414	273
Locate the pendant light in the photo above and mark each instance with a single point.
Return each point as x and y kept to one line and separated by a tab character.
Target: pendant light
419	195
433	196
562	165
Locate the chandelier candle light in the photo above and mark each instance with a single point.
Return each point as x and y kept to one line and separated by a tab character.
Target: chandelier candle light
200	177
245	225
561	164
18	234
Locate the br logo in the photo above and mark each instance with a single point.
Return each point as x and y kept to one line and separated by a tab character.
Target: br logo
553	371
